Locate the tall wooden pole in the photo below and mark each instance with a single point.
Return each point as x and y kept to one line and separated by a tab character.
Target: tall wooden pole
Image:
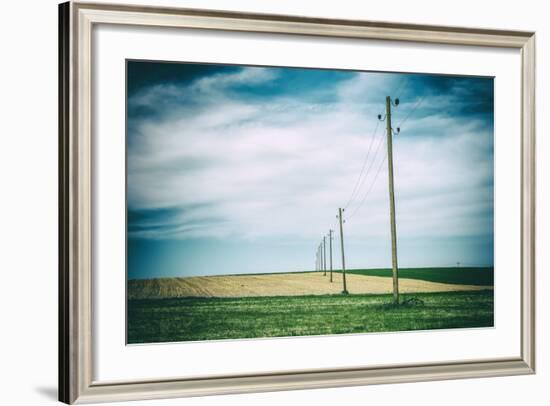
324	256
330	251
345	291
392	202
317	260
320	257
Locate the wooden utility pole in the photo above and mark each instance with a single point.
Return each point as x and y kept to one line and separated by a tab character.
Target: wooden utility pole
392	202
319	258
316	260
340	210
330	251
324	256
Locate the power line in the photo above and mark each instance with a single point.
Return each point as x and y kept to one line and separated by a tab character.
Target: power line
401	83
369	189
373	136
359	184
415	107
378	149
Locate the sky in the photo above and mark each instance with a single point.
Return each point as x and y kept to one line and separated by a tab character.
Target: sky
239	169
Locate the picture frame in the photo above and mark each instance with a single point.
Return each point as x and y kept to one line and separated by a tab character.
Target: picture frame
76	214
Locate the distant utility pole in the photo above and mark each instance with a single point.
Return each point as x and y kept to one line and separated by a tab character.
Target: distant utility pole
330	250
316	260
392	199
321	255
340	210
319	258
325	255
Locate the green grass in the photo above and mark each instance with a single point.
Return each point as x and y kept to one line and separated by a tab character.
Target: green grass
462	276
186	319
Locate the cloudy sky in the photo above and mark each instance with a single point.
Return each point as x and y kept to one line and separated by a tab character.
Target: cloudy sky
236	169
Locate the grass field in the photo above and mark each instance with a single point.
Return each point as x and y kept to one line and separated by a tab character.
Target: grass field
453	275
196	318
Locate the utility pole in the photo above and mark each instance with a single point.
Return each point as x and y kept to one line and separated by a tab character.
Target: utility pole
345	291
316	260
319	256
330	250
325	255
392	200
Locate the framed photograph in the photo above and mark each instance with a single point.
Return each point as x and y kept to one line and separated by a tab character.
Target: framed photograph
263	202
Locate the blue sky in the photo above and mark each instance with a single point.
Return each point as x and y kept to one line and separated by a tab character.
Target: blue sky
235	169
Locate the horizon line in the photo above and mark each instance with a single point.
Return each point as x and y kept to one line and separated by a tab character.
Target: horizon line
311	271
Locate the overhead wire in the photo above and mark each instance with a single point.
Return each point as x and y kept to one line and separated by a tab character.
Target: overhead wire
364	175
413	109
359	178
373	160
369	189
401	84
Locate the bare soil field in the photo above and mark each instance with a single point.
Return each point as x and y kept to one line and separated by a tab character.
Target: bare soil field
284	284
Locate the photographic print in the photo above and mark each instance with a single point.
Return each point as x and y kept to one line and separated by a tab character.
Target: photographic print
282	201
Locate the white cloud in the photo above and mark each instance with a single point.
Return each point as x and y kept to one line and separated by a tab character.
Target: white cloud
281	167
245	76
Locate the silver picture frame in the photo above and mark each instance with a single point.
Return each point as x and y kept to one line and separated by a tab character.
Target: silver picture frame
76	383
